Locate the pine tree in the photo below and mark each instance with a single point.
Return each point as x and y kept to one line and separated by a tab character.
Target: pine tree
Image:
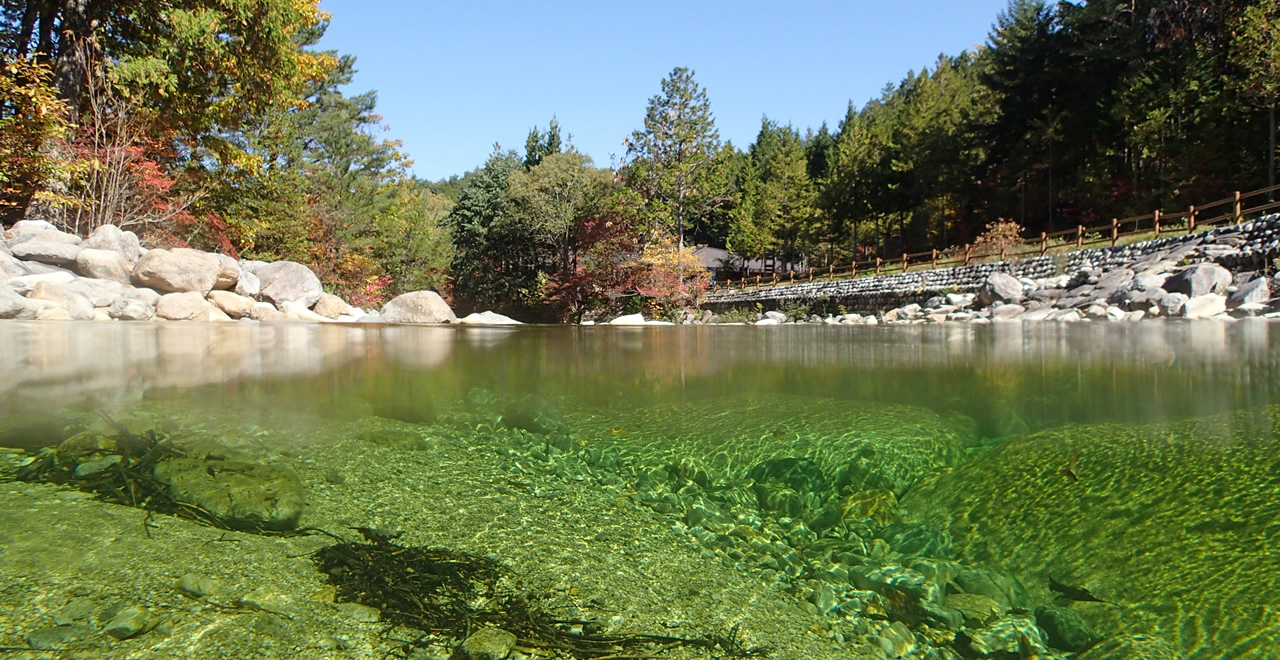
669	161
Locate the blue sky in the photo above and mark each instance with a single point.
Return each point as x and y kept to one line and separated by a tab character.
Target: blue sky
454	78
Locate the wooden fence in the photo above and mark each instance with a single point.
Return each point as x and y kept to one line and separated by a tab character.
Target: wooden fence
1229	210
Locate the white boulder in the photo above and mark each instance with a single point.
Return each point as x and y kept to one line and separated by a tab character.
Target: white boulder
418	307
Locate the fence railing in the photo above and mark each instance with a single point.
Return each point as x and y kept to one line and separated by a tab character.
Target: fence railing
1229	210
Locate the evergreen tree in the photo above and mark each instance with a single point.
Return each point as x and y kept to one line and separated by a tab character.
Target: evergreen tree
670	161
777	208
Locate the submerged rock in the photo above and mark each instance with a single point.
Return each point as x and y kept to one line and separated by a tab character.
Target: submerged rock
244	495
488	644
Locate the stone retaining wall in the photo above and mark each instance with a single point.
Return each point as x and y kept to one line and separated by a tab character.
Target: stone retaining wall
1246	246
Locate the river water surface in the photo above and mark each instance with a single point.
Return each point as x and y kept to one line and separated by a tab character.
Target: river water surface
1009	491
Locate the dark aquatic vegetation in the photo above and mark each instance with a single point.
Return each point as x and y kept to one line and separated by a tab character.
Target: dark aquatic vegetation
449	594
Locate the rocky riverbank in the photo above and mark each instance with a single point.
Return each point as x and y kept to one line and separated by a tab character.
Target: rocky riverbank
1223	274
51	275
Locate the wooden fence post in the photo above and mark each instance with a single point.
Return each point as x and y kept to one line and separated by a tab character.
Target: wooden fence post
1004	253
1115	231
1191	219
831	272
967	251
877	265
1156	222
757	281
791	277
1044	243
1079	236
853	269
935	258
904	262
1239	214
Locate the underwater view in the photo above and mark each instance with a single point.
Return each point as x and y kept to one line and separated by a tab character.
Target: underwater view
1091	491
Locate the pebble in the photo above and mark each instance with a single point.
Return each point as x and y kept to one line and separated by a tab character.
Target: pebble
197	585
358	612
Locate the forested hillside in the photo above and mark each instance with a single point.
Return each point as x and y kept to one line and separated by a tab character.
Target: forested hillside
221	125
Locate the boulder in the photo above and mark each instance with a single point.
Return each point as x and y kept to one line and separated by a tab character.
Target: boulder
178	270
1203	307
1198	280
251	266
288	281
99	292
103	265
418	307
40	230
130	309
186	306
331	306
149	296
110	237
78	307
1172	304
235	306
633	319
14	306
1007	312
296	312
228	272
1000	287
243	495
487	318
248	285
52	312
25	283
47	252
1256	290
11	267
263	311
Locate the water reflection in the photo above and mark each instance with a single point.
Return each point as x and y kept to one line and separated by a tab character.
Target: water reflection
1043	374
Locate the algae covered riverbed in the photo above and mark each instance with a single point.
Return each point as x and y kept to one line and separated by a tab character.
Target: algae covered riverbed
687	492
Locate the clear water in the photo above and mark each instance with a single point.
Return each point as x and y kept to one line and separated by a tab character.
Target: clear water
1135	462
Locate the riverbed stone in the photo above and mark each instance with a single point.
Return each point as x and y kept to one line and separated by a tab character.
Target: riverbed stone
47	252
296	312
130	309
1132	647
242	494
111	237
51	638
488	644
288	281
103	265
418	307
179	270
1065	628
129	622
235	306
78	307
197	585
331	306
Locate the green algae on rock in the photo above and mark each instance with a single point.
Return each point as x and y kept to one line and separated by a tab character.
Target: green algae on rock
1133	528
